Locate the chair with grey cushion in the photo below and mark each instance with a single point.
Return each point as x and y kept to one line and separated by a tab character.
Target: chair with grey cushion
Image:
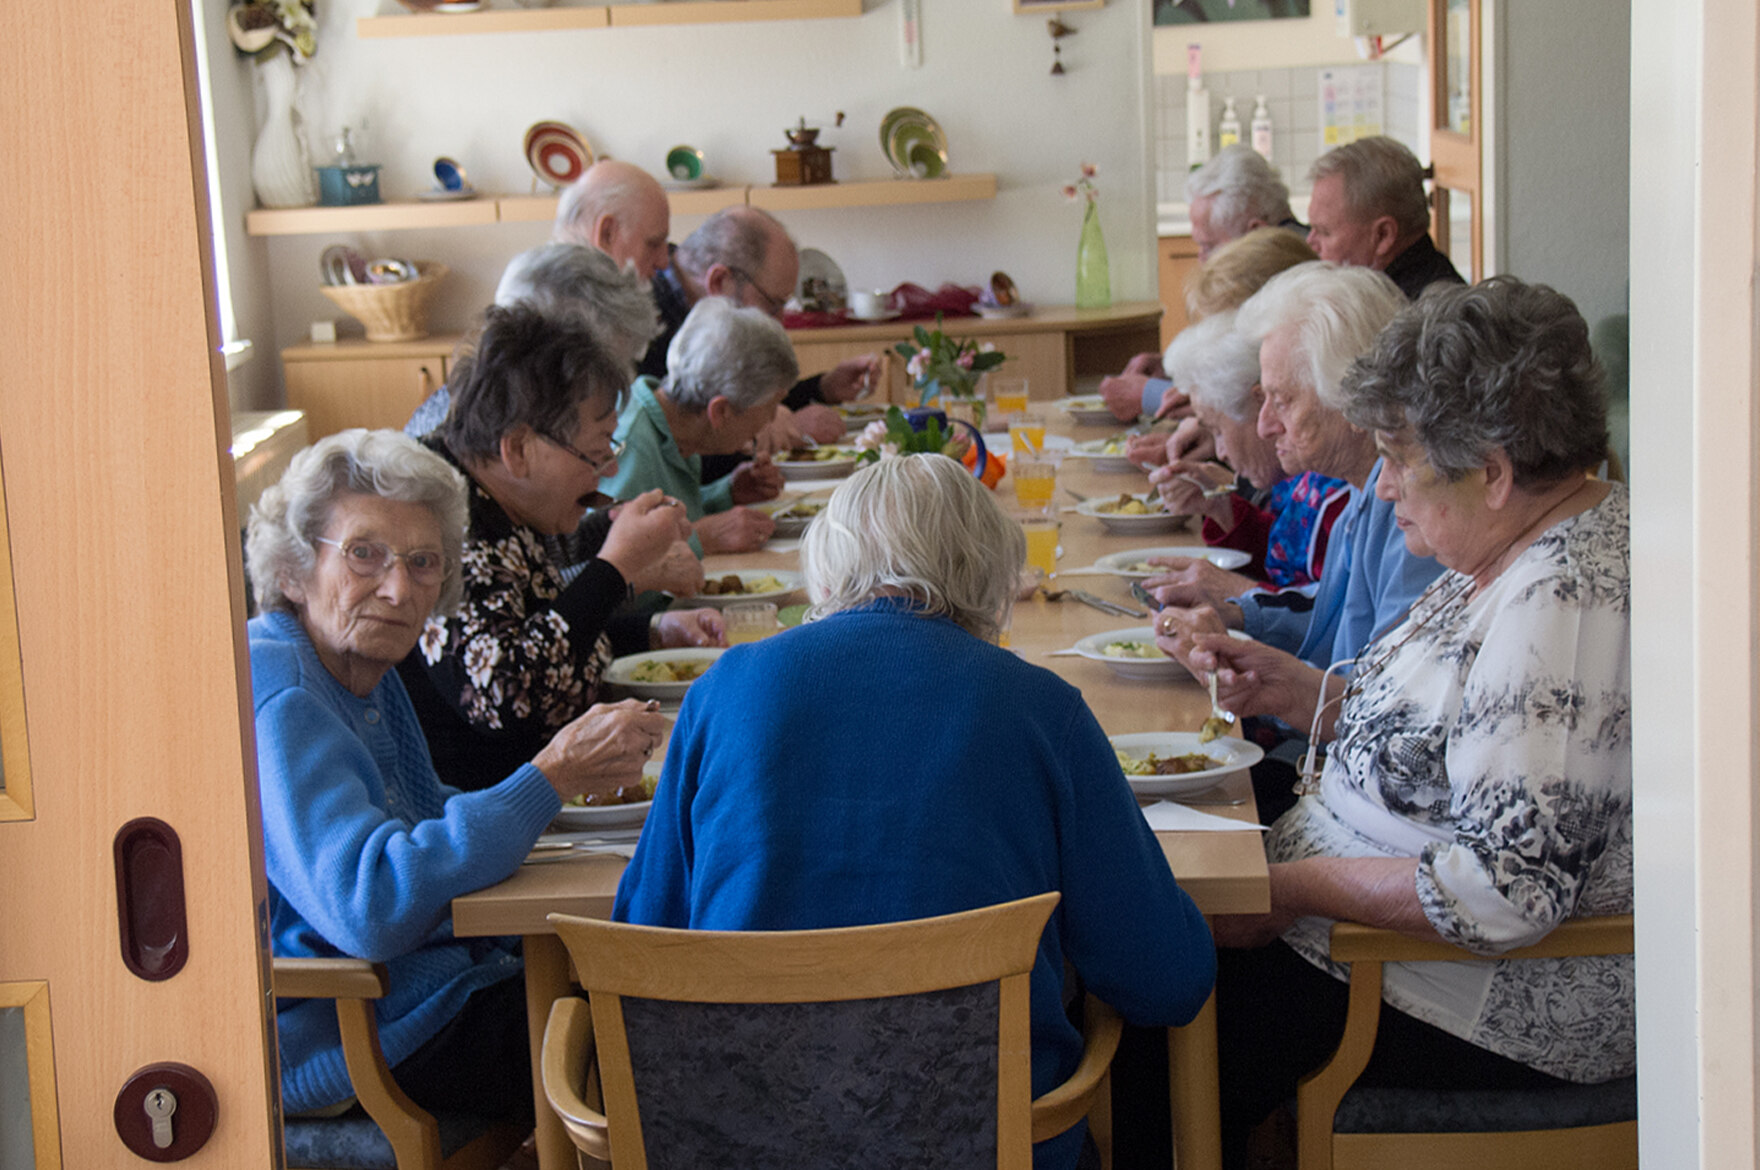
1570	1127
395	1133
904	1044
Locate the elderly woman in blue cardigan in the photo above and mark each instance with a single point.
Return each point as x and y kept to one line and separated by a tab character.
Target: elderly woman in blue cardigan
364	847
959	776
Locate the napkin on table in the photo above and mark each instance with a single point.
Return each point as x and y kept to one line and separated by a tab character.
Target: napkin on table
1165	816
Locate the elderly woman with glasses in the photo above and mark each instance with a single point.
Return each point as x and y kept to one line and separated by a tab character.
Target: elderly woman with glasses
1477	785
365	848
977	778
530	427
726	371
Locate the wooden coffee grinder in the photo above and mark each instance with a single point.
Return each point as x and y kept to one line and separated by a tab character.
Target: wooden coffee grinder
804	162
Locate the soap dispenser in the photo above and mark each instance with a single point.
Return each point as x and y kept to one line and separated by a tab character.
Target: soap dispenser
1228	131
1261	128
1197	110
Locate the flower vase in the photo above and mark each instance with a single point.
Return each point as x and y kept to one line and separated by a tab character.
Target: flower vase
1093	273
281	171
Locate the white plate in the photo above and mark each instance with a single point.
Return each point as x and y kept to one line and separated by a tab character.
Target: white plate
1156	668
1121	562
888	315
787	526
704	183
821	287
1235	755
1002	312
1089	410
791	581
817	468
442	195
618	673
1103	460
1127	523
608	816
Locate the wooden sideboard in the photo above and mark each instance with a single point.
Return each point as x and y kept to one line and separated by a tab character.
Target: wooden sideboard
357	383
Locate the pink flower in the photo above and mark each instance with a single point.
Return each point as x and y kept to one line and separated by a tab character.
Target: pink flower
964	362
1069	192
1089	170
918	365
873	436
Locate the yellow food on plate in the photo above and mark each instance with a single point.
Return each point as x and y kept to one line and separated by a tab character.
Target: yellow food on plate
1129	505
815	455
655	670
801	510
732	585
1131	650
627	794
1154	765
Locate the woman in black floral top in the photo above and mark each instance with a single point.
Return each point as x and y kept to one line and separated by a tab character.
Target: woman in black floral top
531	421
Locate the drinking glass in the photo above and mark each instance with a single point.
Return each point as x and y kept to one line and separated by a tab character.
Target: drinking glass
749	621
1010	395
1026	434
1035	481
1041	534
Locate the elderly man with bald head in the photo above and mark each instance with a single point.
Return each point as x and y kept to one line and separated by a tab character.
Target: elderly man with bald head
619	209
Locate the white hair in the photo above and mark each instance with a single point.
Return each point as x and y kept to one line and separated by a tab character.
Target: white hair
286	521
920	527
573	279
1215	364
1245	187
1334	312
725	351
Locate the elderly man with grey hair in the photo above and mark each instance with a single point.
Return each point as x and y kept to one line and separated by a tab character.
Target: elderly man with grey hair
1368	208
619	209
727	370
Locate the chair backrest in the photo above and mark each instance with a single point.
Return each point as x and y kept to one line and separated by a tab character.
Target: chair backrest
899	1044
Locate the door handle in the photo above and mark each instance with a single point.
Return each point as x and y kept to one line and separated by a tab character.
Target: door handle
149	898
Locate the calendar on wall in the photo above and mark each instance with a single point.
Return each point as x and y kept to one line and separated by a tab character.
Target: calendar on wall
1353	100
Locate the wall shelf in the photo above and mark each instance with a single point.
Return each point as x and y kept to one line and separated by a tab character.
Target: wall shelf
387	217
497	20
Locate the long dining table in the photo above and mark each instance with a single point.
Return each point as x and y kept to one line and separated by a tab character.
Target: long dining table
1224	872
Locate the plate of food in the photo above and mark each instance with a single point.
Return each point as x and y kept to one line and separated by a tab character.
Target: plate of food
738	585
857	415
1135	562
792	516
1175	763
1089	410
661	674
1106	455
624	809
1130	512
816	462
1130	653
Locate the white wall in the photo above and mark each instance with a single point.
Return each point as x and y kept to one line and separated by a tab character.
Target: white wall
731	89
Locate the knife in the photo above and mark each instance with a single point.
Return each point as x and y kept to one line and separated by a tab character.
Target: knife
1104	606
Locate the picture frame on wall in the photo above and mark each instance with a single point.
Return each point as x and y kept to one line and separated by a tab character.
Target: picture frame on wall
1171	12
1021	6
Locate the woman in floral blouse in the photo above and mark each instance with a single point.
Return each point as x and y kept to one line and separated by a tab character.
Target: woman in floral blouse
1478	783
533	411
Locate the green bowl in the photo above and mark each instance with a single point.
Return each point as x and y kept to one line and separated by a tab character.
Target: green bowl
684	163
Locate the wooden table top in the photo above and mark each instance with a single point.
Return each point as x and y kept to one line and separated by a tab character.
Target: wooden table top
1225	873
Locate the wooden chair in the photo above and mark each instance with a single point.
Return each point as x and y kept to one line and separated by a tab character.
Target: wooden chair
396	1134
1576	1127
891	1045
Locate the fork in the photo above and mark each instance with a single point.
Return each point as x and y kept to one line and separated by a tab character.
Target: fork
1220	721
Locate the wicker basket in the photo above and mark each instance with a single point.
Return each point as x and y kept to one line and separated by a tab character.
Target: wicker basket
391	312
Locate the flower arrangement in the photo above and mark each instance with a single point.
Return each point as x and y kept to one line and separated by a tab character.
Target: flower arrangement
263	28
942	367
894	435
1084	187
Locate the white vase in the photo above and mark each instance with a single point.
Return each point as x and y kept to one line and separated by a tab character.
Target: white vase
281	171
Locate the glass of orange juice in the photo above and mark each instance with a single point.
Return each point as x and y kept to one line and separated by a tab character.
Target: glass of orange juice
1010	395
749	621
1026	434
1041	534
1035	481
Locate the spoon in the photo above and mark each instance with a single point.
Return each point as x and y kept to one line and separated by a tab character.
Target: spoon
1220	721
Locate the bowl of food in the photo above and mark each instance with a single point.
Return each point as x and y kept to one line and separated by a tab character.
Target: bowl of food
1131	654
1134	562
737	585
625	808
1088	410
661	674
1106	455
1131	512
793	516
816	462
1175	763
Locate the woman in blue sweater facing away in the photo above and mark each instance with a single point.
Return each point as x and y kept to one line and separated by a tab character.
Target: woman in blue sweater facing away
888	761
365	849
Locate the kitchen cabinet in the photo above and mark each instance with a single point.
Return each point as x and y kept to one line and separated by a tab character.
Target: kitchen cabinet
363	383
1178	260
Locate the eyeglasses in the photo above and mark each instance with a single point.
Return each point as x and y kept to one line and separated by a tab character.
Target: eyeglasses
370	559
599	465
771	303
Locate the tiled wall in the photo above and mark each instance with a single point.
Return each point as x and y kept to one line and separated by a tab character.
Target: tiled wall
1292	96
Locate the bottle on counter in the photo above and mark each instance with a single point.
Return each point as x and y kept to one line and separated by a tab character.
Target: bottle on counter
1228	130
1261	128
1197	110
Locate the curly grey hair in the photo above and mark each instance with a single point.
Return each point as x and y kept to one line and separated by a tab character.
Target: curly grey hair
722	350
1381	177
573	279
1215	364
1335	312
286	521
1502	365
1245	187
921	527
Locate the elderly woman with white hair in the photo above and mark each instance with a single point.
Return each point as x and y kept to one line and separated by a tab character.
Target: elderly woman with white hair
365	848
1478	783
726	371
976	778
1281	521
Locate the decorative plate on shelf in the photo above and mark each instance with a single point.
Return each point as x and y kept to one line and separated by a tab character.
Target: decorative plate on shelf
822	288
556	153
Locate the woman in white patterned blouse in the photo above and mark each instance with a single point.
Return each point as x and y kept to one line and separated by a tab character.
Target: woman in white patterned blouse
1477	784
